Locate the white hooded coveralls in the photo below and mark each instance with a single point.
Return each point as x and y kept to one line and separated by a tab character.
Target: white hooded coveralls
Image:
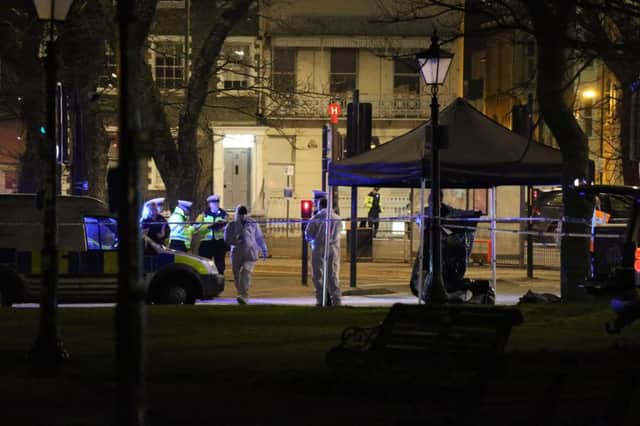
246	241
315	234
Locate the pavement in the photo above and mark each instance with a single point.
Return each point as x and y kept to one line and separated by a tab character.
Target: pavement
279	281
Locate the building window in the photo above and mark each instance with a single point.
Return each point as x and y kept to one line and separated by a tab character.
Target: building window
480	200
154	178
235	66
344	65
587	112
284	70
107	79
168	62
406	79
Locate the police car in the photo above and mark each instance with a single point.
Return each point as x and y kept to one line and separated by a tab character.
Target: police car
88	257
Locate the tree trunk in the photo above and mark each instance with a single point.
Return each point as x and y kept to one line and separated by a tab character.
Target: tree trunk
197	92
91	142
163	148
553	89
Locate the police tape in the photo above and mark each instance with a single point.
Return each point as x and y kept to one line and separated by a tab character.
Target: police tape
445	223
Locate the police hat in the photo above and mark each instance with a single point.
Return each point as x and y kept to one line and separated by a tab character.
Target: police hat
213	198
184	205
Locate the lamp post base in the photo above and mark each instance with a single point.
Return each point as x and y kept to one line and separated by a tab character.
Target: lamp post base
46	356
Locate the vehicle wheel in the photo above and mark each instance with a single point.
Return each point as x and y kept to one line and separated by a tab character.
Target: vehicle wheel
179	294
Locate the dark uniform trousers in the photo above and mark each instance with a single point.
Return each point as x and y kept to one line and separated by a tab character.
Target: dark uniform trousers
214	249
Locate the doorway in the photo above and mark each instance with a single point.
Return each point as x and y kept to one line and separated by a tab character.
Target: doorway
237	174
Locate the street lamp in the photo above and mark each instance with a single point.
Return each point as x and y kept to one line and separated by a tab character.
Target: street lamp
48	351
434	65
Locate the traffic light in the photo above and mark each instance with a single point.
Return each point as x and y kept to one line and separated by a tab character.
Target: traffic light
306	209
358	129
364	127
351	147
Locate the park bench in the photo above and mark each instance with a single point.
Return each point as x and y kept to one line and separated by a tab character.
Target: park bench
429	340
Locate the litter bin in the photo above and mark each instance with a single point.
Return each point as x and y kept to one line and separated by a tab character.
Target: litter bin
364	251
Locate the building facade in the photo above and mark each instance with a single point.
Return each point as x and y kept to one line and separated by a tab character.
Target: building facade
276	77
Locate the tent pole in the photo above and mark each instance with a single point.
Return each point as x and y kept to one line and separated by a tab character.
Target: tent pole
492	206
327	234
420	282
353	243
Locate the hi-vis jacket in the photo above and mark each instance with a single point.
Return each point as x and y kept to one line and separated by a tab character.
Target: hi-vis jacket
218	219
180	230
372	202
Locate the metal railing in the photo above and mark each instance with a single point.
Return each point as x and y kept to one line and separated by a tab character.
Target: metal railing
391	105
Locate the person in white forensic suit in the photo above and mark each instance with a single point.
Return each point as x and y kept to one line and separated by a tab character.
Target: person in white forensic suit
315	234
246	241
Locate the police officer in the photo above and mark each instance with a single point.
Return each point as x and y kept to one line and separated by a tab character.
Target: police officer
180	230
315	233
372	202
154	225
213	220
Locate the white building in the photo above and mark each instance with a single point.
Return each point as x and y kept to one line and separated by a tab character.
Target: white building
322	52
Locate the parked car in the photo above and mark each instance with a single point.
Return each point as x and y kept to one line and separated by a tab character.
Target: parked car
618	276
615	243
614	200
88	257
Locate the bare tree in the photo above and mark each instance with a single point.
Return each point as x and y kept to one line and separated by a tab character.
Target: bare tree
552	24
609	31
82	55
179	161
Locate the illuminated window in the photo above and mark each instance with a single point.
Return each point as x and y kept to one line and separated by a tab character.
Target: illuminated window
235	65
480	200
587	112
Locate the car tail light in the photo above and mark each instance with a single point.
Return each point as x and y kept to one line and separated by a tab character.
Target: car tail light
636	264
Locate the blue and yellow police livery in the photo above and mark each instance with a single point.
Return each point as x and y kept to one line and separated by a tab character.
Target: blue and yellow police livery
88	257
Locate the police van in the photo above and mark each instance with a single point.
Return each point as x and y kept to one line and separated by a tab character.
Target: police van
88	257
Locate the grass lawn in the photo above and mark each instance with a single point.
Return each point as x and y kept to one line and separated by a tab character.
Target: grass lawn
221	352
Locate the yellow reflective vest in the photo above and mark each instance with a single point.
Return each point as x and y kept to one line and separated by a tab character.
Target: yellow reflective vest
219	218
180	229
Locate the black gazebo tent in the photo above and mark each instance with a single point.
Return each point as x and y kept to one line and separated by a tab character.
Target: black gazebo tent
481	154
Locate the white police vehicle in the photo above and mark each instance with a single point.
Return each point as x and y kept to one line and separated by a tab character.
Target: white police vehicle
88	257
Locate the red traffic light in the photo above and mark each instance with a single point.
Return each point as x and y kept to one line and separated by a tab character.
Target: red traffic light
306	209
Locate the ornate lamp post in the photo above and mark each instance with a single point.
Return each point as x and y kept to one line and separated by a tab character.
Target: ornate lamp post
434	65
48	351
